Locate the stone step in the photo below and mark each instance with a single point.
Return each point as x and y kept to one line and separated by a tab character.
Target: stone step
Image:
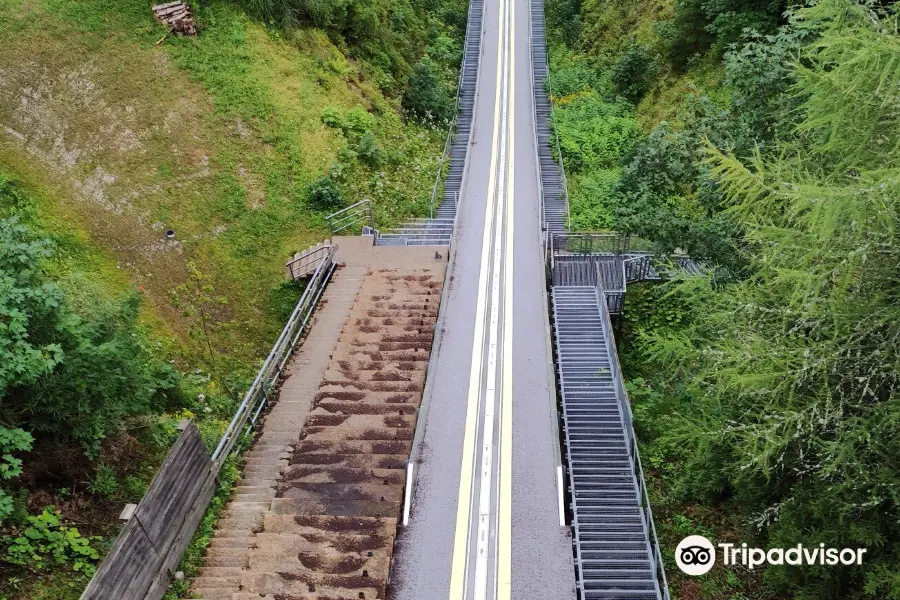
215	561
207	592
231	532
325	585
253	472
264	460
245	498
253	489
231	583
245	523
258	482
242	542
231	551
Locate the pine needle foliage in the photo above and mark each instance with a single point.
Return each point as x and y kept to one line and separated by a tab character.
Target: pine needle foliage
788	378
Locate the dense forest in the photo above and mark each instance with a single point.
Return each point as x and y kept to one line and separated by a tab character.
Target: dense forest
240	140
764	138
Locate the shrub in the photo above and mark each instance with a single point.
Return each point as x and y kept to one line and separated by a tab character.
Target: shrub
70	372
594	133
634	72
564	16
593	200
571	74
368	151
323	194
701	25
105	481
426	98
11	440
47	542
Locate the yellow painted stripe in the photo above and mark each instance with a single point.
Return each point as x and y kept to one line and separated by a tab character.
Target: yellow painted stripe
463	505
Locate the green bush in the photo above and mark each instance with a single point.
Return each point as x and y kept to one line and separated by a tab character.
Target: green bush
426	97
70	371
702	25
11	440
323	194
368	151
564	17
105	481
593	200
47	542
594	133
571	73
634	73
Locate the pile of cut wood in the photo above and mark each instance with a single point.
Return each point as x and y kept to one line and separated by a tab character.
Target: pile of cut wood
177	17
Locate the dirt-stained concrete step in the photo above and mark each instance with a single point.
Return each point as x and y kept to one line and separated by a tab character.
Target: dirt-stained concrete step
302	587
337	507
354	447
349	408
340	491
353	461
339	474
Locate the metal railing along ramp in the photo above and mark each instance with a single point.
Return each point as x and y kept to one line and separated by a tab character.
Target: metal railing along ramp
437	229
616	551
554	196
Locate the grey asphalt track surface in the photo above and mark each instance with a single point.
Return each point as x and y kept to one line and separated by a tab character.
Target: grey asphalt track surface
541	551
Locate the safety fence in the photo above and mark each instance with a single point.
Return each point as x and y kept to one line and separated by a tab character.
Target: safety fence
355	215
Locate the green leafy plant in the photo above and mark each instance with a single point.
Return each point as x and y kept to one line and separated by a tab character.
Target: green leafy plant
105	481
71	365
11	440
634	72
427	98
368	151
48	541
324	194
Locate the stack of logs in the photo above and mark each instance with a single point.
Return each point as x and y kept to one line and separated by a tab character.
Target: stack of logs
177	17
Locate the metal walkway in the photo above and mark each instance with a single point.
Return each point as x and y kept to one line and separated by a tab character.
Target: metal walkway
616	551
438	229
554	198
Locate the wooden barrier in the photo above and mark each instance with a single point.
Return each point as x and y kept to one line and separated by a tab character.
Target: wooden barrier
149	547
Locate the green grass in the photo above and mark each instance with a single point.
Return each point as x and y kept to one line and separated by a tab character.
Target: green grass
216	137
116	139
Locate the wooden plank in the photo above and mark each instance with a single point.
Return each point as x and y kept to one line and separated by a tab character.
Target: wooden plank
155	537
159	7
128	569
185	534
173	491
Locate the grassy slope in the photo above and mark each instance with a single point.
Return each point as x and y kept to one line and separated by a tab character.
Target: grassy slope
116	139
215	137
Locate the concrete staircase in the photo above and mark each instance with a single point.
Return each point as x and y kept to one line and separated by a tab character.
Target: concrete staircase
330	531
235	536
315	515
304	263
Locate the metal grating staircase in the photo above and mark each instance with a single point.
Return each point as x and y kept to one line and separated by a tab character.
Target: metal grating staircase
554	198
617	555
438	229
